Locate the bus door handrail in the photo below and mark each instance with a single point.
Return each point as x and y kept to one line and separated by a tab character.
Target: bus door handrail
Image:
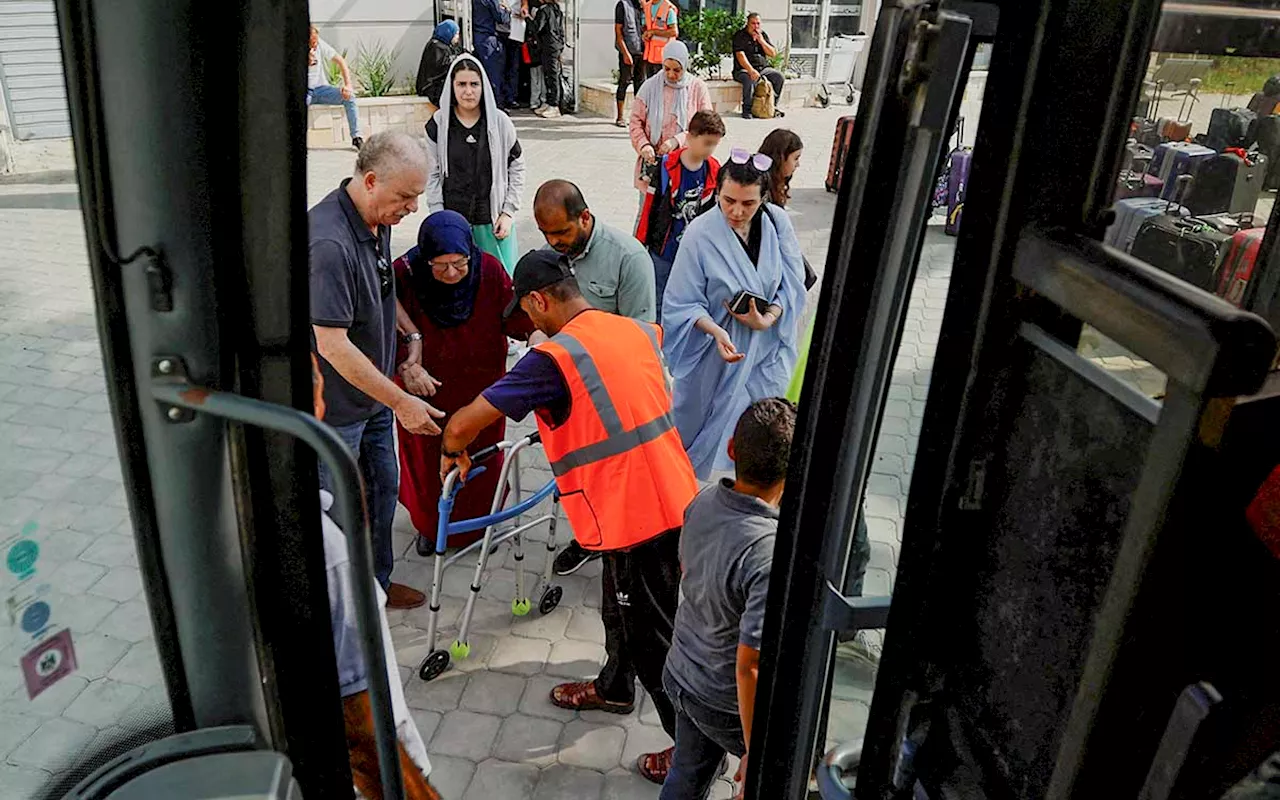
179	396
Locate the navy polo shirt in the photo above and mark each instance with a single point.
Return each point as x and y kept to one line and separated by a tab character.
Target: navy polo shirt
352	287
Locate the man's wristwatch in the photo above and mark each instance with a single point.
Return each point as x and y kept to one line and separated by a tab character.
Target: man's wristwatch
411	337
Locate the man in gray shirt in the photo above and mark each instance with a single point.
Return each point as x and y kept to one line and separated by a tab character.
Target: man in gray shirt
726	549
613	269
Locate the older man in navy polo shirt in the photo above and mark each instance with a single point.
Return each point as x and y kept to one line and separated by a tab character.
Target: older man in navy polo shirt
355	317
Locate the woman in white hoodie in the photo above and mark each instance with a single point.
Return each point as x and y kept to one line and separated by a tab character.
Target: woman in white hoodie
476	163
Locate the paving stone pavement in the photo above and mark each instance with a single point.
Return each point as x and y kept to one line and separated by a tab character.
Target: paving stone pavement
488	723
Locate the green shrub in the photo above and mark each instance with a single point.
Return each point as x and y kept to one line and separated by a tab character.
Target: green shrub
374	70
710	34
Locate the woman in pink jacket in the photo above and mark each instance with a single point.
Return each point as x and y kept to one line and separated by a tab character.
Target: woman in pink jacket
662	110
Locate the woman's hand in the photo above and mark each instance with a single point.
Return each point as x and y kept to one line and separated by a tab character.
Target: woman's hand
754	319
502	228
418	381
724	345
667	146
648	154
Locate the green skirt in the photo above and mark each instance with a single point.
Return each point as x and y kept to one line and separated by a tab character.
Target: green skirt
505	250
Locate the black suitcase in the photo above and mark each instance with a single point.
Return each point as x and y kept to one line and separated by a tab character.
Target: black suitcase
839	152
1231	127
1186	248
1228	184
1269	145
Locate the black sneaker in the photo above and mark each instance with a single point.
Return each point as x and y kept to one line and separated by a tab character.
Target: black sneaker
572	559
357	142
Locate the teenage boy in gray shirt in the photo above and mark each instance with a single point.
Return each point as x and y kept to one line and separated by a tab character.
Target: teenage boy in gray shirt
726	549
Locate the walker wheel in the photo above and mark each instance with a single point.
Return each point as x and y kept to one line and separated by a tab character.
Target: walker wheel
423	546
521	607
460	650
436	662
550	599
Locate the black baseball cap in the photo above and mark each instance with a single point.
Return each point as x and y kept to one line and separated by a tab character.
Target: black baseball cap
537	269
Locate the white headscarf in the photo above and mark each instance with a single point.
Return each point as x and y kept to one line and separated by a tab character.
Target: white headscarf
651	91
490	112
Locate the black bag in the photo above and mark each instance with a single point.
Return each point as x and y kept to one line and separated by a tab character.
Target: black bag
1231	127
1272	86
1186	248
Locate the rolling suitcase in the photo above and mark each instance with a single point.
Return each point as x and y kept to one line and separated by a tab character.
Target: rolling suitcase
1173	159
1237	267
1137	184
1231	127
1227	183
1131	213
957	186
839	152
1186	248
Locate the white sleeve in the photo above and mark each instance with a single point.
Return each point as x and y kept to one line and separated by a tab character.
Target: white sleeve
325	52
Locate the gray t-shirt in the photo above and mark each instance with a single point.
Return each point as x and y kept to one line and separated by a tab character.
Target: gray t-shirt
726	549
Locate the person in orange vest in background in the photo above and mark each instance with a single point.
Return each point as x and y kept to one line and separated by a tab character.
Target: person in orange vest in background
599	390
660	27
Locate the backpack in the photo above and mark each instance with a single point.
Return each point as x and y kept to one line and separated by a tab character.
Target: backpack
762	105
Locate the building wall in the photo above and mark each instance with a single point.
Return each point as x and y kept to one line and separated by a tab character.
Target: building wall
405	25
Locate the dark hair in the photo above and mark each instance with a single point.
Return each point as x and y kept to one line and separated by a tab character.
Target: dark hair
753	15
564	193
563	291
706	123
469	64
779	144
762	441
746	175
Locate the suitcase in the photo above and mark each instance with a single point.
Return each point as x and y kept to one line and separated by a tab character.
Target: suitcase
1231	127
1137	184
1173	159
1145	132
1268	135
1131	213
1186	248
1226	183
1171	130
1137	156
1237	267
957	187
839	152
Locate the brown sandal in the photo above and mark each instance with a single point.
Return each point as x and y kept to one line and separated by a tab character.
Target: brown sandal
655	766
582	697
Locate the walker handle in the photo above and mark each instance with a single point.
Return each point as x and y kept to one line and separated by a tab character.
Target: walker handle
483	453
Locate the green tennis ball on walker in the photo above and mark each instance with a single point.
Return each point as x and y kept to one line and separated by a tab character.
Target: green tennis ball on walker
521	608
459	650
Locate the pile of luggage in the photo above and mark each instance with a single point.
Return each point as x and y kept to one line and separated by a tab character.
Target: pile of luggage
1187	207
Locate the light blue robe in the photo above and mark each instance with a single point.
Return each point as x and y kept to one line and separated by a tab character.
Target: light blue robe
711	267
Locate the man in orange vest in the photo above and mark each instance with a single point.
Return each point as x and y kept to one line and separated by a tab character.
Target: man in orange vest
660	27
599	389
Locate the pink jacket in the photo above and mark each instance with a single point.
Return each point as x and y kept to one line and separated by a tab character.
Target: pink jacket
699	99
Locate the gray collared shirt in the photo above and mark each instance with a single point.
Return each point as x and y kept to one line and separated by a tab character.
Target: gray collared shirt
615	273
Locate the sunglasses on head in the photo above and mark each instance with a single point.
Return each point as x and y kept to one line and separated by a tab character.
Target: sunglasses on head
760	161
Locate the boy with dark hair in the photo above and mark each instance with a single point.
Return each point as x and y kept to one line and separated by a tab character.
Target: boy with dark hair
726	549
685	187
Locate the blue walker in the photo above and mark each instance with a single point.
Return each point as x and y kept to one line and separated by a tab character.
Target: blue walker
437	660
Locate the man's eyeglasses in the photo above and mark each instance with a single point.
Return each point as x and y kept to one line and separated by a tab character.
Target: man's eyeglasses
760	161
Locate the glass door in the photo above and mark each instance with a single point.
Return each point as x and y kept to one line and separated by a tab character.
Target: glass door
813	25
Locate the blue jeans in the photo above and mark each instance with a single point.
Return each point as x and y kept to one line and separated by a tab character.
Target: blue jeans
749	86
332	96
703	736
372	441
661	273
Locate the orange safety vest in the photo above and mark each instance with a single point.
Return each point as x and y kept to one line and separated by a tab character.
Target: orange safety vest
656	22
618	461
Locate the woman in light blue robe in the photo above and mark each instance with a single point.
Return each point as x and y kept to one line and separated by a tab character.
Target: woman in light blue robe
722	361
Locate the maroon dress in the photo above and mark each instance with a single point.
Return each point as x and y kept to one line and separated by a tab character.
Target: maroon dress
466	359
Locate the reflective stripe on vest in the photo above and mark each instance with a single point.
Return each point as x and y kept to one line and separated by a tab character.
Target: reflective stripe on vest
618	440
